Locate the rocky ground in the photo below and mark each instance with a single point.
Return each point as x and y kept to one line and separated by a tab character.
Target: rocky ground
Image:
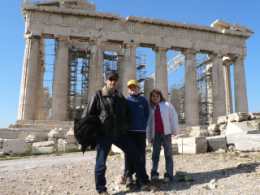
72	174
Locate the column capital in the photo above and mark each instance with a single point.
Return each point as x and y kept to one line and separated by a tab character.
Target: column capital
130	45
239	57
97	41
160	49
32	36
62	38
189	52
227	60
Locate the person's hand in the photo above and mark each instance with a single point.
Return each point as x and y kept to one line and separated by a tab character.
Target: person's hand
174	134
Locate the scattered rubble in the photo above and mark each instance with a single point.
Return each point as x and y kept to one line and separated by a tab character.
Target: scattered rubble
236	131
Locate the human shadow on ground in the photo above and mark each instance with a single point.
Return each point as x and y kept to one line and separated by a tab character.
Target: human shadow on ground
199	178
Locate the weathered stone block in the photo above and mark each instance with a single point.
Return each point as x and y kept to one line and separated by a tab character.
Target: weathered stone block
222	128
43	150
70	138
64	146
254	124
1	143
197	131
238	116
251	116
213	129
15	146
43	144
175	145
216	142
192	145
46	147
222	120
240	128
244	142
32	138
55	134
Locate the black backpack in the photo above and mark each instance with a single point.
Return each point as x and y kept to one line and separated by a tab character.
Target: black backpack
86	129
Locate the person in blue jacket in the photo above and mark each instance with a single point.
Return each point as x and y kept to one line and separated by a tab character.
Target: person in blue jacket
139	112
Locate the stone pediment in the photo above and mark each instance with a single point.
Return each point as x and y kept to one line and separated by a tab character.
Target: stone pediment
223	26
71	4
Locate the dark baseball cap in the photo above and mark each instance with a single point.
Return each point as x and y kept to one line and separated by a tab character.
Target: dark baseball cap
112	75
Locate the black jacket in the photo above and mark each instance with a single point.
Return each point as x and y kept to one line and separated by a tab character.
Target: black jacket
113	112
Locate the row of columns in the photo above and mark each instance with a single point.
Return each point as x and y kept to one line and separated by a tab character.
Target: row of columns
221	79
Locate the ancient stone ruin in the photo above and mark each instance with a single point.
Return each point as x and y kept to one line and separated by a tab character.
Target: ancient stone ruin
84	43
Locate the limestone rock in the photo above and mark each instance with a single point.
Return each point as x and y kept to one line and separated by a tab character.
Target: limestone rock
15	146
44	144
222	128
30	138
213	129
192	145
217	142
221	120
70	138
1	143
46	147
241	128
64	146
55	134
251	116
244	142
238	116
254	124
197	131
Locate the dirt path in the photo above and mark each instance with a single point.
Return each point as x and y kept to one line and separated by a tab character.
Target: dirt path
212	173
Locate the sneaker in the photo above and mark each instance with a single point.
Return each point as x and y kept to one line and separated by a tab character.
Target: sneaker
104	193
155	177
129	181
145	187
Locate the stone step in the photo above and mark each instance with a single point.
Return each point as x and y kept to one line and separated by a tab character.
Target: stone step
43	124
21	133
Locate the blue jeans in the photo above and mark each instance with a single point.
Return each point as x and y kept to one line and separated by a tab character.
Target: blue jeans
166	142
103	147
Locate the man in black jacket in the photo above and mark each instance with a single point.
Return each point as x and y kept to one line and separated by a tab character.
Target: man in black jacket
111	108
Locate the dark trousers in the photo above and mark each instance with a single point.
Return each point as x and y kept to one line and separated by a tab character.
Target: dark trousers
139	139
103	147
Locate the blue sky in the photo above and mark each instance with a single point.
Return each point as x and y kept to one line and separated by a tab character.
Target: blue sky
201	12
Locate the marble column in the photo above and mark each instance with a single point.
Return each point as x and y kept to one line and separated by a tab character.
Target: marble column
227	64
148	87
191	98
219	94
161	72
128	66
96	69
240	85
28	93
60	98
41	107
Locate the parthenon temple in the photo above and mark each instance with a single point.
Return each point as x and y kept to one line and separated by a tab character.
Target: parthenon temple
69	45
